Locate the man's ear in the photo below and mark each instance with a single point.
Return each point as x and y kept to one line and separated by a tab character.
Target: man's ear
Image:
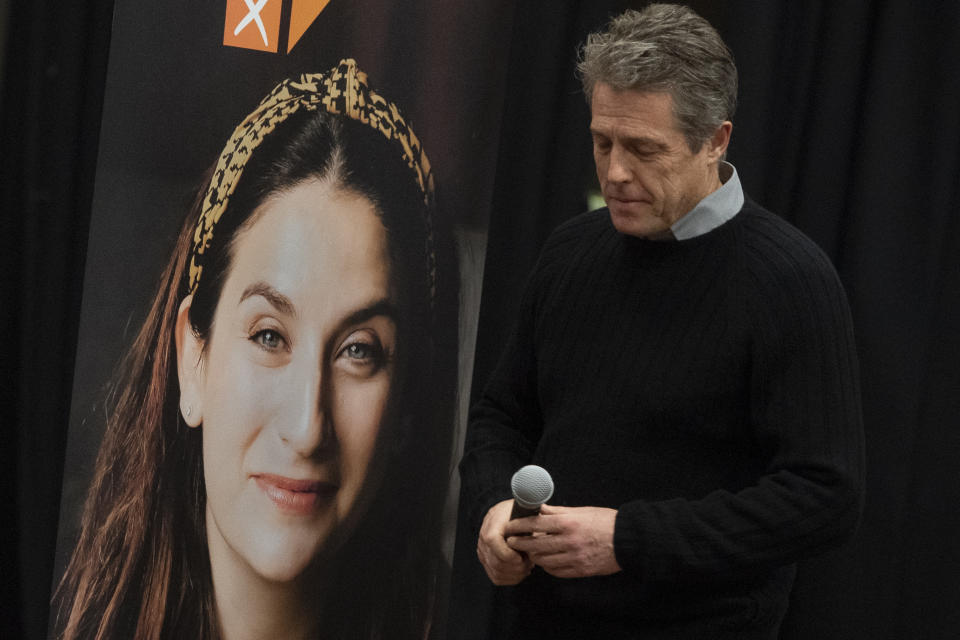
718	142
189	367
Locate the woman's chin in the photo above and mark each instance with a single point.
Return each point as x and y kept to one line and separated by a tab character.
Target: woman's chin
284	558
283	567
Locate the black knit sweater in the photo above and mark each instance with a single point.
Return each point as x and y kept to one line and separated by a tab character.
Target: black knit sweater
708	390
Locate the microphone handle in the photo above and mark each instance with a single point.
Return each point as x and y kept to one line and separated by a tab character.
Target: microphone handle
523	512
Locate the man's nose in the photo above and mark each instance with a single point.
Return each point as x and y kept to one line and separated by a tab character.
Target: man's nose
618	170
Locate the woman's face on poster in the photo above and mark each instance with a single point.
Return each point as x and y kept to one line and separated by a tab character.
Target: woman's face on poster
292	386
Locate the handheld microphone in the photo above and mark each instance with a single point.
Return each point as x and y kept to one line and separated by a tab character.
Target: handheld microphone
531	486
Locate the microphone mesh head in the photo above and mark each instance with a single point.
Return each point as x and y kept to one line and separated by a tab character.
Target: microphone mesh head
531	486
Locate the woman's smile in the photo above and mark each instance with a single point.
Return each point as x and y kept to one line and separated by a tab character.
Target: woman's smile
296	497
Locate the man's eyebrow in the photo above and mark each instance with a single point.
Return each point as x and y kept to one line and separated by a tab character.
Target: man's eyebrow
597	133
276	299
638	141
646	142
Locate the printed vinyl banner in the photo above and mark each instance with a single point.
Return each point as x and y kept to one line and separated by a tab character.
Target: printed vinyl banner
278	318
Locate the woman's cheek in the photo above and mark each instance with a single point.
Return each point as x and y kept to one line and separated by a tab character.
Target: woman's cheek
361	405
244	395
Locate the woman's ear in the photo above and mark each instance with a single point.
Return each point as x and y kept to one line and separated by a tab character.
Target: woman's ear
189	366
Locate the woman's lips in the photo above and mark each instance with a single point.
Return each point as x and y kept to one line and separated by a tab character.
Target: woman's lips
299	497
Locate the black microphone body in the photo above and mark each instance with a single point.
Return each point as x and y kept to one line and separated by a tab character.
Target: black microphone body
519	511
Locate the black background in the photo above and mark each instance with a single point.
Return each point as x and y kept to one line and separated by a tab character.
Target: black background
849	127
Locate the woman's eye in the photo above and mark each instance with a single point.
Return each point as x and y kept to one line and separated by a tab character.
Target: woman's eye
268	339
363	351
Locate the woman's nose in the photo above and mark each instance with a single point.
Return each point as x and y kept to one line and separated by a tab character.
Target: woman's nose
305	425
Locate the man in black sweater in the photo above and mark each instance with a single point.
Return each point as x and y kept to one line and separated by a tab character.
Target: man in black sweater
683	365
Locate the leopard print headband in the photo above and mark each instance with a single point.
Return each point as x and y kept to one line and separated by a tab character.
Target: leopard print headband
343	91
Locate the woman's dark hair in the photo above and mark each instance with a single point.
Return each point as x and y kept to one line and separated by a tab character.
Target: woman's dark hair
141	566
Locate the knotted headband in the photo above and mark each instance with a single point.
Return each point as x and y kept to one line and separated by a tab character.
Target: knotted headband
342	91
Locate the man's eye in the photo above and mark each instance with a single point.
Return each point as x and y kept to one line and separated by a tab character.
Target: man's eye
268	339
643	151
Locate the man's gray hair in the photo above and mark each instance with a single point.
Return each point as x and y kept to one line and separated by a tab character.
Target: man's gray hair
666	47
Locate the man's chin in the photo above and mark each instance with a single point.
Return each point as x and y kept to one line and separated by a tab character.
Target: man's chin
636	219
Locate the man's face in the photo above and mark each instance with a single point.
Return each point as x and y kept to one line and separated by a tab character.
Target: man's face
648	174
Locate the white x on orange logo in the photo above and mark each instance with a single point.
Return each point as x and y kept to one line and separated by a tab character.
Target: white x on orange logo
254	16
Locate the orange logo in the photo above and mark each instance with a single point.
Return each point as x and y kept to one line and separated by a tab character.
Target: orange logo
255	24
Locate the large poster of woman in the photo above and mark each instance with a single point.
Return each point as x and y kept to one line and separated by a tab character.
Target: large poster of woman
277	314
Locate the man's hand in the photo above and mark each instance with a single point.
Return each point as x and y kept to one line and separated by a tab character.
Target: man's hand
568	542
503	565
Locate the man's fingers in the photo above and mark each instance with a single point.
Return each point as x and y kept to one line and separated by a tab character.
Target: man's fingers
507	572
543	523
549	509
563	571
503	565
560	565
515	563
566	541
520	526
502	575
499	548
537	544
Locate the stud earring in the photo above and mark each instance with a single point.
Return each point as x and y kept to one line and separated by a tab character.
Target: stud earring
189	411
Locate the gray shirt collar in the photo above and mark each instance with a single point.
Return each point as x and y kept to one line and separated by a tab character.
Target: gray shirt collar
713	210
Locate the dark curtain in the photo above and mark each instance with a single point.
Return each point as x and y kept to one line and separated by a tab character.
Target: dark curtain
54	68
849	127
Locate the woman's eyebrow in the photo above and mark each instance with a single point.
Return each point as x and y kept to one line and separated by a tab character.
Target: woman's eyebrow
382	307
276	299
